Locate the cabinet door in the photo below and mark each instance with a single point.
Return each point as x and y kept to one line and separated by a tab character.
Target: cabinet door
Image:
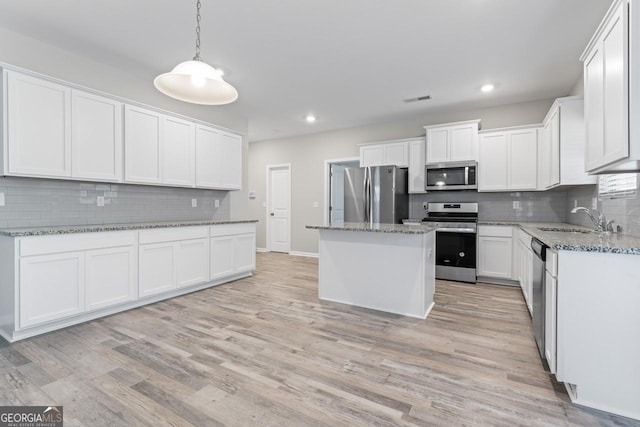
396	154
492	166
229	161
416	166
39	127
178	152
371	155
550	321
522	165
51	287
207	174
111	277
553	148
245	253
96	137
157	268
221	256
494	257
437	145
606	94
192	262
142	145
464	142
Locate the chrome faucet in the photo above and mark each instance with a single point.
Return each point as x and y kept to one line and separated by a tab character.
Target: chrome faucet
600	222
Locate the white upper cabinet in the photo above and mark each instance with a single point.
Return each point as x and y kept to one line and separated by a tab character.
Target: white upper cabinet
218	159
96	137
178	140
142	145
611	67
508	159
54	130
562	145
38	127
452	142
416	166
385	153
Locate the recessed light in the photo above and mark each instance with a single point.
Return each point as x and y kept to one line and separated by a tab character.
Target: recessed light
487	88
310	118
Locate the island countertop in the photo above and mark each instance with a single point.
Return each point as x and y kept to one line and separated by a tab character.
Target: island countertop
68	229
376	228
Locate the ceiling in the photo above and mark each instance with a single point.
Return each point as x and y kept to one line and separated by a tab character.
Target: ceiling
349	62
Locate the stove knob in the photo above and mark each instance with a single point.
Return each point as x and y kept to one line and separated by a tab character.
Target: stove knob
461	254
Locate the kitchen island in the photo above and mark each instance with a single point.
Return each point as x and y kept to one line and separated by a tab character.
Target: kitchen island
386	267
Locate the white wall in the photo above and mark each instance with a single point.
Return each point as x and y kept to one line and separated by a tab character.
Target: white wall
307	154
35	55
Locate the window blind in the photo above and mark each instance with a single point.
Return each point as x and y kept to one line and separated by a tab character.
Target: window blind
618	186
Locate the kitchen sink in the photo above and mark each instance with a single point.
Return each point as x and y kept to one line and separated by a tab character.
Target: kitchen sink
565	230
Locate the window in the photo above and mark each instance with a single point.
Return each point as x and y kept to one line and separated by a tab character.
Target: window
618	186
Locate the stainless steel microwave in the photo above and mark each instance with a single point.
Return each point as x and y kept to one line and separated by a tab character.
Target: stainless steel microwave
451	176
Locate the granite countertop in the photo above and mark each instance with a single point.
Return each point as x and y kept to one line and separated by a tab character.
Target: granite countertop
377	228
568	237
68	229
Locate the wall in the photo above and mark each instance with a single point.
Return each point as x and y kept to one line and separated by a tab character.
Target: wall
625	212
35	55
547	206
307	155
32	202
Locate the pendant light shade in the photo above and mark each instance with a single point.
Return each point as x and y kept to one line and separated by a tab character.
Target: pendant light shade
196	81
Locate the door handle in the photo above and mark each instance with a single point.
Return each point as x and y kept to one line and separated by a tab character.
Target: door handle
272	214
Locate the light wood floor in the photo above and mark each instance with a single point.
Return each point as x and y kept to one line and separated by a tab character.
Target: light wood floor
265	351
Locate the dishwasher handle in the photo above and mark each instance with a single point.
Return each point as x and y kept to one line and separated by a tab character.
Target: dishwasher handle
539	248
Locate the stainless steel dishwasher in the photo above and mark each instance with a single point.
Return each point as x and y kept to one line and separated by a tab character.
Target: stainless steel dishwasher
538	294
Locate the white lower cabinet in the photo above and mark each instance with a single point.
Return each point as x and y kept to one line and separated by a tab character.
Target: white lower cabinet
232	249
157	268
525	276
53	281
495	252
51	287
110	277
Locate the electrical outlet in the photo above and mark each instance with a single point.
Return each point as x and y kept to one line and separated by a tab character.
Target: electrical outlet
594	203
1	199
194	203
216	203
575	203
316	204
516	204
100	200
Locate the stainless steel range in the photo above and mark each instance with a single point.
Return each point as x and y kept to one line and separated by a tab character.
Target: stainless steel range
456	225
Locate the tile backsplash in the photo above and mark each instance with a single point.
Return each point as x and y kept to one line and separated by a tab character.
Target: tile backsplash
625	212
31	202
548	206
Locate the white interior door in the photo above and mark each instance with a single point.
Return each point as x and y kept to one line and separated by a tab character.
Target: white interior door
279	209
336	191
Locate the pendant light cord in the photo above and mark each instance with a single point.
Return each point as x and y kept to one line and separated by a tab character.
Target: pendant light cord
197	57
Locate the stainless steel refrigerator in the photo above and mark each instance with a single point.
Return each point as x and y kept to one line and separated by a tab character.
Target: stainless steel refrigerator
376	194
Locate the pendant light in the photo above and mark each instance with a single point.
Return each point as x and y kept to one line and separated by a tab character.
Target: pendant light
196	81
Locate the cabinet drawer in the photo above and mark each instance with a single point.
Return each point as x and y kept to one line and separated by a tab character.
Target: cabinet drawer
172	234
230	229
495	230
39	245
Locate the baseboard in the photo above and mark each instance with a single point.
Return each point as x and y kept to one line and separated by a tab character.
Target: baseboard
496	281
262	250
305	254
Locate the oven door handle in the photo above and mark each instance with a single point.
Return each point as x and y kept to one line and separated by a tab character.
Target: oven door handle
457	230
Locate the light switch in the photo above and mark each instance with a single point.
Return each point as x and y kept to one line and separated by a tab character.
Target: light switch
1	199
264	204
252	194
594	203
216	203
316	204
100	200
194	203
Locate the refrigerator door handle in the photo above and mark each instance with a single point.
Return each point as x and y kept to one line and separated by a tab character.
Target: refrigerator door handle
365	187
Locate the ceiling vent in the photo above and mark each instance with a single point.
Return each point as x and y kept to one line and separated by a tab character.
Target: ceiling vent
419	98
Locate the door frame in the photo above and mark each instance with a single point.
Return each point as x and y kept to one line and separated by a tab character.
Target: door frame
327	182
268	202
